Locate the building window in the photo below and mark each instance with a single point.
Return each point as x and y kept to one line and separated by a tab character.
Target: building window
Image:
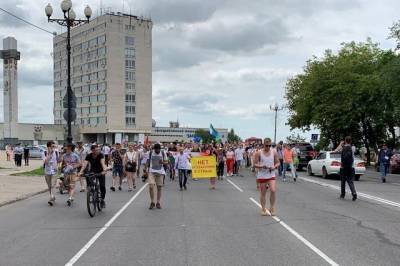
93	42
85	99
101	39
130	121
93	87
102	86
129	27
129	52
85	89
93	110
129	75
102	109
130	110
93	121
130	64
130	87
102	98
101	51
129	41
130	98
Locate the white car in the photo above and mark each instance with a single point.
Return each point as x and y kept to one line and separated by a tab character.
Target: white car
328	163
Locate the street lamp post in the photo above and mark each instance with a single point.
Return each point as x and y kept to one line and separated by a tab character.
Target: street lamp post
276	108
69	21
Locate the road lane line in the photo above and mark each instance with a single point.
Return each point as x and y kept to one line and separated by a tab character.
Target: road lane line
301	238
233	184
360	194
103	229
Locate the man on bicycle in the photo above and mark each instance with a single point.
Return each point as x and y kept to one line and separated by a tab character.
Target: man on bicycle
97	165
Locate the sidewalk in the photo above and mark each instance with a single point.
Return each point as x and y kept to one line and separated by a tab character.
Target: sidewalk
15	188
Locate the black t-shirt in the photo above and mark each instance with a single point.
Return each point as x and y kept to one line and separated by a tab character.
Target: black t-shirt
95	163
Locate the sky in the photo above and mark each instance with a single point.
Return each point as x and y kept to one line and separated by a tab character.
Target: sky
214	61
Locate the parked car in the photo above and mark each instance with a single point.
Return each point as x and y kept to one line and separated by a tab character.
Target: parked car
35	151
306	154
328	163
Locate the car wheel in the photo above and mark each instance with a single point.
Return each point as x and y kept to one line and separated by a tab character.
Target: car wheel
309	171
324	173
357	177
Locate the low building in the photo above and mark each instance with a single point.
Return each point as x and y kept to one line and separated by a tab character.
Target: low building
175	133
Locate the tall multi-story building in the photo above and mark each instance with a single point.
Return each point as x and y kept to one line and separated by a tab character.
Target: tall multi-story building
111	68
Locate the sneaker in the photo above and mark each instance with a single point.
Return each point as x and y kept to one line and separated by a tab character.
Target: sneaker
152	205
102	204
272	211
184	187
112	188
69	202
294	179
341	196
134	187
82	190
354	197
130	190
119	188
384	180
158	205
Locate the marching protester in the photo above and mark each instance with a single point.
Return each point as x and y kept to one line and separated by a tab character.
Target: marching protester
70	164
155	164
288	162
266	161
239	157
131	159
220	157
230	160
384	162
279	150
118	167
82	153
347	168
50	161
181	164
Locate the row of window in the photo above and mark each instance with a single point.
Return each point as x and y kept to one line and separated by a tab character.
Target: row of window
86	32
90	77
129	40
130	110
130	64
87	56
130	87
100	40
129	52
85	89
85	100
93	121
130	98
129	28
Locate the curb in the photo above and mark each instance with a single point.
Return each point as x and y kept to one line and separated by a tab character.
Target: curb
24	197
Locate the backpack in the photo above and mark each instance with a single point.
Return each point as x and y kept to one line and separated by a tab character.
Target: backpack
163	156
347	157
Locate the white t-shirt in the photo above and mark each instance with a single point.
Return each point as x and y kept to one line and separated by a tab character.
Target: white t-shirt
155	162
239	154
50	168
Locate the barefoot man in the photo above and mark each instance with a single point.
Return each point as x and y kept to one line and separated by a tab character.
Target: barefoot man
266	162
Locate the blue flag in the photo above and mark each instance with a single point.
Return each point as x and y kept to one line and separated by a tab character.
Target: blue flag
214	133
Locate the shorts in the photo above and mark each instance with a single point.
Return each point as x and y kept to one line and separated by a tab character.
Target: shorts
239	162
156	179
264	180
71	178
118	170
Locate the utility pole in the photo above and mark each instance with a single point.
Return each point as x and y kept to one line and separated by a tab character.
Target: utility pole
276	108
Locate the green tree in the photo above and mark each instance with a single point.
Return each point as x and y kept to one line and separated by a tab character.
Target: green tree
205	136
232	137
295	139
342	94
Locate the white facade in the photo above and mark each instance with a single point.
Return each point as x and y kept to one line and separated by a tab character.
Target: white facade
111	68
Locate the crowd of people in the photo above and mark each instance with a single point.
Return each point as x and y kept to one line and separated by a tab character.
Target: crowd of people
18	153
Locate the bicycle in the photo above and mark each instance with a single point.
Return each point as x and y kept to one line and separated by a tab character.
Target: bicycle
93	196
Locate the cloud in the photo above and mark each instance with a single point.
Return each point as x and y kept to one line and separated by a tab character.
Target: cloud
17	8
243	34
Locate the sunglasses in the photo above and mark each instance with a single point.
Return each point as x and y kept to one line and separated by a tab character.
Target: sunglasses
267	145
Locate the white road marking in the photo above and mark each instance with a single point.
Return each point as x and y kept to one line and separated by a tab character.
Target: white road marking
360	194
233	184
301	238
103	229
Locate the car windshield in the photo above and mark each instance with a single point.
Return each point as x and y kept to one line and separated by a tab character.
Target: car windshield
335	155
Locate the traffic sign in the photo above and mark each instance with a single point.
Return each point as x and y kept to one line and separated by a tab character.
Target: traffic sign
314	138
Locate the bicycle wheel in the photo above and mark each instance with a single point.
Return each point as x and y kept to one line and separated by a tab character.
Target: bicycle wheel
91	200
98	200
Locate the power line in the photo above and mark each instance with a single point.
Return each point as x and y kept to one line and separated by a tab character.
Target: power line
27	22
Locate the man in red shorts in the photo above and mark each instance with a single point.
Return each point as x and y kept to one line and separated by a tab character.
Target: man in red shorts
266	161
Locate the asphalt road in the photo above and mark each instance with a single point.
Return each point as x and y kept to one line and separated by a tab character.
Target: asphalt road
205	227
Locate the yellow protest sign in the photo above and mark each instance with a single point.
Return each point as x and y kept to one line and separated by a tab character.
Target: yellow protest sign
204	167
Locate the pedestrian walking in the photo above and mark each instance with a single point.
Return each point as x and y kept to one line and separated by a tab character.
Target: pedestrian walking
118	167
384	162
157	160
347	169
131	159
288	162
26	155
18	152
220	157
239	157
279	150
50	159
82	153
230	160
70	163
106	151
266	161
181	164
